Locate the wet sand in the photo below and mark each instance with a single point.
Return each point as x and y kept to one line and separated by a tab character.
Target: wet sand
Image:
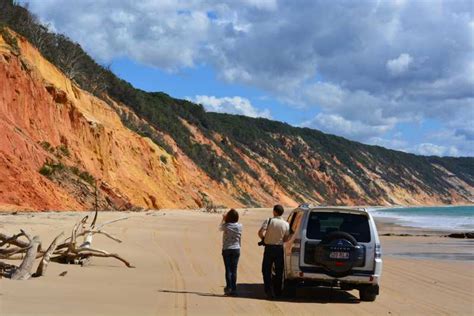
179	271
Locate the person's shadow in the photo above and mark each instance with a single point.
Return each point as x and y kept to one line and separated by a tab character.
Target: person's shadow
303	294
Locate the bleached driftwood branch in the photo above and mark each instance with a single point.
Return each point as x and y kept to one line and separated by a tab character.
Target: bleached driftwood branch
24	270
41	270
67	251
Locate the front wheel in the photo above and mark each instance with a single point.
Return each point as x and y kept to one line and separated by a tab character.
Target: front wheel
368	293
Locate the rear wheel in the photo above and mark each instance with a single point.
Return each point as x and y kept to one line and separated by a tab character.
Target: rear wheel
368	293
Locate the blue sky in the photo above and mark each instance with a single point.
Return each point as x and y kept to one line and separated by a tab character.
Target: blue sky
398	73
201	80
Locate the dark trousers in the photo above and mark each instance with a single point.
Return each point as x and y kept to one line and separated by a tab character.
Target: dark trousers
231	260
273	255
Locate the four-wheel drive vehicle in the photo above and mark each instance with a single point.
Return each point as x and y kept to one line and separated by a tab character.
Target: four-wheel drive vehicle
336	247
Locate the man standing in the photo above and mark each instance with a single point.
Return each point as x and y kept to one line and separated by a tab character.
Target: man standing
273	233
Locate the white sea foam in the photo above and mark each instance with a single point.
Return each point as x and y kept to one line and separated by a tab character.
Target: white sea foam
440	218
440	222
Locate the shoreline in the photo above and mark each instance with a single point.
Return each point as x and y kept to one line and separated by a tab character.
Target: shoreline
442	223
387	225
418	206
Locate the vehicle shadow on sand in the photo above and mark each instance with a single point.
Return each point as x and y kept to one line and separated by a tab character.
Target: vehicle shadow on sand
303	295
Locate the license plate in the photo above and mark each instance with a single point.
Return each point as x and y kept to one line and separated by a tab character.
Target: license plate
339	255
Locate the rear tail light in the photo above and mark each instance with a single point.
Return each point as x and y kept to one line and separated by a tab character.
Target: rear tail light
378	251
296	246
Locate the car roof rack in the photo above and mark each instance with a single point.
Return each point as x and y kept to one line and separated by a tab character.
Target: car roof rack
306	206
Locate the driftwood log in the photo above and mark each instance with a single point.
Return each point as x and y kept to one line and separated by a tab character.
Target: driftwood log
67	251
23	271
41	270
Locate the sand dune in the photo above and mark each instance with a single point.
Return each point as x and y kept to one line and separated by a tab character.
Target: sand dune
179	271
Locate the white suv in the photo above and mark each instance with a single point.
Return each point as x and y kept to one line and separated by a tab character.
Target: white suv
333	246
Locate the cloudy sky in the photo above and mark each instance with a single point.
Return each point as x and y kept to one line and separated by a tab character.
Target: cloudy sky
394	73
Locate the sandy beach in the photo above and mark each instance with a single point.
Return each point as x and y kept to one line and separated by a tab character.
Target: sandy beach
179	271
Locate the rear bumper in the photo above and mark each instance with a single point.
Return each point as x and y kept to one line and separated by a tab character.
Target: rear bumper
318	274
350	279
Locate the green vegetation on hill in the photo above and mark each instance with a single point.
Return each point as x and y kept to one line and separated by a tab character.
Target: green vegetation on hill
272	141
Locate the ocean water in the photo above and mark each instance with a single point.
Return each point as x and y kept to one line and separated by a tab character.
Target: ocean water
459	218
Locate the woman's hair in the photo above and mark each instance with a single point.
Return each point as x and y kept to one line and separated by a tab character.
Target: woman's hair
232	216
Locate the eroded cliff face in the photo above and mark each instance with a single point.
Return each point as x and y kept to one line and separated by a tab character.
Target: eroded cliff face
58	141
42	112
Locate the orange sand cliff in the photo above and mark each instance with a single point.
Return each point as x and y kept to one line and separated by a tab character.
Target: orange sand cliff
42	111
39	104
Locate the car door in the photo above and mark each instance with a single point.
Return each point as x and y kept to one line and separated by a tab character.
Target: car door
293	243
287	245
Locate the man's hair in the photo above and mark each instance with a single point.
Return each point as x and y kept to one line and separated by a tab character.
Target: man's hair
232	216
278	209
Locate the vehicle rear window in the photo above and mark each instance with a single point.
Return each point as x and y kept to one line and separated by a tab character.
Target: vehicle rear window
322	223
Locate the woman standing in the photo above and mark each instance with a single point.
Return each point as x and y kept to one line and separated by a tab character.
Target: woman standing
232	232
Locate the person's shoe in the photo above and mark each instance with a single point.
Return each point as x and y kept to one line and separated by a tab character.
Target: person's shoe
226	290
232	293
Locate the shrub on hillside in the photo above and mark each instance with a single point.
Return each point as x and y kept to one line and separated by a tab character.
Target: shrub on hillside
50	167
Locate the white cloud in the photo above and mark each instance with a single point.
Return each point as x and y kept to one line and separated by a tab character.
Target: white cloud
325	94
452	141
163	34
371	63
359	107
263	4
400	65
429	149
393	143
232	105
356	130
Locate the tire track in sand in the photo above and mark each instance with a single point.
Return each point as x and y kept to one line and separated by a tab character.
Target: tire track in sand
180	299
430	307
190	250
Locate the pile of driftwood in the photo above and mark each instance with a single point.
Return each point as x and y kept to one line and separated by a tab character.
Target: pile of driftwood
24	247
